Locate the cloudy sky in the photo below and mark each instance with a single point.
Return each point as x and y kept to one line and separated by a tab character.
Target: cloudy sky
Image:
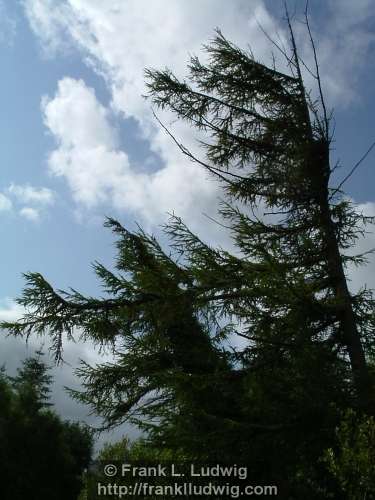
78	140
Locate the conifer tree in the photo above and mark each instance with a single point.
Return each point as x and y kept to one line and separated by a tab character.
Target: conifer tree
169	316
33	383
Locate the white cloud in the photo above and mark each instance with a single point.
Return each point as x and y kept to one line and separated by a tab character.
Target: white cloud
10	310
30	213
121	39
29	201
97	171
5	203
30	194
46	15
86	154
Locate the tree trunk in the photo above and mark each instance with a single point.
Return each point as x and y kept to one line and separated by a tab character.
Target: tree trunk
350	334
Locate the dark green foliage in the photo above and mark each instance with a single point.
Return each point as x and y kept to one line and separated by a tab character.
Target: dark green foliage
41	456
352	459
32	384
170	318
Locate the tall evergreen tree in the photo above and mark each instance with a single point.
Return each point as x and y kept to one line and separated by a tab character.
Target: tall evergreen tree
276	401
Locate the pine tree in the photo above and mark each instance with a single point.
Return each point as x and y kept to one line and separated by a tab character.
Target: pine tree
33	383
169	316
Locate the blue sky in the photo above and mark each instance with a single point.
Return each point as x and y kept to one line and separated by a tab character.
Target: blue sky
78	141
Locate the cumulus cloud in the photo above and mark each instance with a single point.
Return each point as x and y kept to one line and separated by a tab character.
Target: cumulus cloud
97	171
30	213
86	155
120	39
29	194
10	310
30	201
5	203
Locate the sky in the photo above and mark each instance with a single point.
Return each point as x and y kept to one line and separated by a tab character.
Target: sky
78	141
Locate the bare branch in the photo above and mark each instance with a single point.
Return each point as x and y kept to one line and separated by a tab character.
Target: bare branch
271	40
318	78
361	160
298	67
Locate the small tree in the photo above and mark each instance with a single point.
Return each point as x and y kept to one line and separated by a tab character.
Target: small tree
275	402
33	384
